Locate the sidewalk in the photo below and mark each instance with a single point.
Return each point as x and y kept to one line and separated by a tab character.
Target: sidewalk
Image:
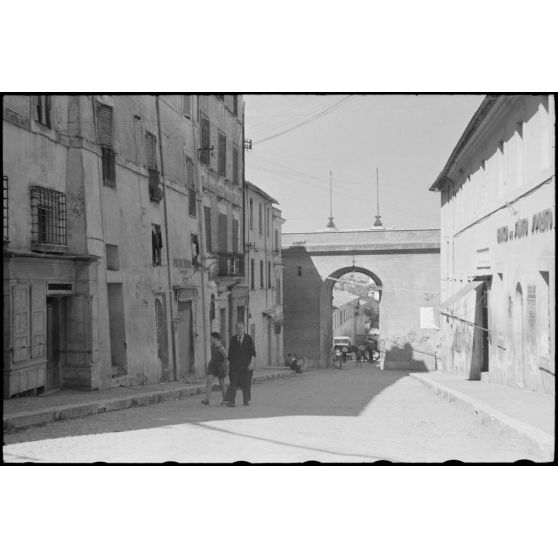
527	414
65	404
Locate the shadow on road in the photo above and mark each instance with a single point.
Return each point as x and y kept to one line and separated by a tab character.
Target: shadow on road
332	392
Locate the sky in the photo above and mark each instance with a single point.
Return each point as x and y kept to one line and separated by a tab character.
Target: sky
408	138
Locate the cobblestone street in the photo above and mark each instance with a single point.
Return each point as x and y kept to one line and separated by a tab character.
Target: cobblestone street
349	415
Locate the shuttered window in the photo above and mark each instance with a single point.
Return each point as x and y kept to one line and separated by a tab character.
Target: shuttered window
252	273
42	109
191	202
261	274
222	233
150	154
260	218
189	172
205	141
207	223
186	105
235	165
222	154
105	125
235	236
269	275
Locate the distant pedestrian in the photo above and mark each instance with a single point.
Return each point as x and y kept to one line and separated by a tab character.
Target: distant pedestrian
296	364
358	357
217	367
337	355
242	355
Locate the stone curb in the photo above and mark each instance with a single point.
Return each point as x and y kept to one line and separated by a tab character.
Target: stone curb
17	421
539	440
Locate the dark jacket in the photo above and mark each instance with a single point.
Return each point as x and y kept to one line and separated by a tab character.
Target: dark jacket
240	355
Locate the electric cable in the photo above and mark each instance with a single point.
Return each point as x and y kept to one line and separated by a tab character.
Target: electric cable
307	121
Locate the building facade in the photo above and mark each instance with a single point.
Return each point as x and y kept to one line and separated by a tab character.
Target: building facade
497	245
265	275
113	274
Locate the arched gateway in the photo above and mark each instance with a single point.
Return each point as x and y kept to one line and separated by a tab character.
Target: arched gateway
404	264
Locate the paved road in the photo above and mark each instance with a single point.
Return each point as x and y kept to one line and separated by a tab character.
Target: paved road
349	415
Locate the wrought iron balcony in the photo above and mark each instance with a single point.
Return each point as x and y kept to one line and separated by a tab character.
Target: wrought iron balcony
229	265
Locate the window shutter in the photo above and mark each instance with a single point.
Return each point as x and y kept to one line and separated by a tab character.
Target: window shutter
21	330
235	165
207	219
150	158
222	154
222	228
186	110
235	236
205	141
105	125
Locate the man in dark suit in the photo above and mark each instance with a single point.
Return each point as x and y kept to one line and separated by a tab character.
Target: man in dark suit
242	355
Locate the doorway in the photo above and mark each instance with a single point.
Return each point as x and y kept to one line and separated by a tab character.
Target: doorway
485	363
185	338
518	335
53	343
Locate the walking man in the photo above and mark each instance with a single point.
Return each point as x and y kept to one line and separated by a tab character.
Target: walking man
242	355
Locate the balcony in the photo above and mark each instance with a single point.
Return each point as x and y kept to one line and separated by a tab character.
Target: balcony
229	266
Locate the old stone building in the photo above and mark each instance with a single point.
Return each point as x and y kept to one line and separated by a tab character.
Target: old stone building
497	245
116	256
265	274
404	266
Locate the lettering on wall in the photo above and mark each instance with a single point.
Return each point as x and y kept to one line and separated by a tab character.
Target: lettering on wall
540	222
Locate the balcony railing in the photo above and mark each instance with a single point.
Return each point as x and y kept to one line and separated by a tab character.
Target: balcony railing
230	265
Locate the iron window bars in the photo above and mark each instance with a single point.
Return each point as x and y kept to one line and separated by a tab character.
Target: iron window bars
48	216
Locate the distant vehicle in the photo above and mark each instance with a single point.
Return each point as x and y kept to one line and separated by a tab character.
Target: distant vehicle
342	341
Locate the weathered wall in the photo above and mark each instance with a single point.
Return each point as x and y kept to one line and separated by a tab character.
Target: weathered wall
506	181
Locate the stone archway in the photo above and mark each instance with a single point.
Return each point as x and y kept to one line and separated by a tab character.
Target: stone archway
326	296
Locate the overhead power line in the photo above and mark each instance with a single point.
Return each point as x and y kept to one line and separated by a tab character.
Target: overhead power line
308	120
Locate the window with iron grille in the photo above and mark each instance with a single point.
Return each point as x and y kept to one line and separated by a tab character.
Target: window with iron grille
235	164
5	229
41	109
207	223
222	154
252	273
48	216
205	140
186	105
235	105
261	274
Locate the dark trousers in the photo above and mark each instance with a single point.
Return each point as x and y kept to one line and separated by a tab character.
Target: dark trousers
243	381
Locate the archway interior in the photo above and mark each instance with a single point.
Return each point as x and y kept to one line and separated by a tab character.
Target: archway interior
350	306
